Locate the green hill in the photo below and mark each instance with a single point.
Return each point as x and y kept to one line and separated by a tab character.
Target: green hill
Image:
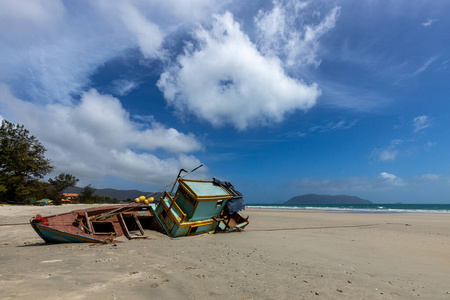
113	193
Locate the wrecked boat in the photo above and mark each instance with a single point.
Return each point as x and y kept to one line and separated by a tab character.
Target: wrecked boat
197	207
95	225
200	207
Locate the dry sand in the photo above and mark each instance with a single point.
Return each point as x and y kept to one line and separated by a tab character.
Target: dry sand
281	255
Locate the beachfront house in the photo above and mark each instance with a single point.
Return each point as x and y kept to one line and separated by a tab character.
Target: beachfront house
69	197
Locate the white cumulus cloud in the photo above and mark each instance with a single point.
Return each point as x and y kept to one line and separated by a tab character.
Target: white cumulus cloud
148	34
389	153
226	80
28	17
279	33
122	87
386	155
421	122
96	138
392	179
50	47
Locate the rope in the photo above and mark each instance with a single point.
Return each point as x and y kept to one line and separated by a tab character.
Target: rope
112	212
173	182
308	228
272	229
14	224
52	223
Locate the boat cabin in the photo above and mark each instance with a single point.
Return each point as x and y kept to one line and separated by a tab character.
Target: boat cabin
193	209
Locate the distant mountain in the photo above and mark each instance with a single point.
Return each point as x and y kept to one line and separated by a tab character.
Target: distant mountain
326	199
118	194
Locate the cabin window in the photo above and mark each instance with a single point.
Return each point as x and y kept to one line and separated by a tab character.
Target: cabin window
188	198
219	203
163	215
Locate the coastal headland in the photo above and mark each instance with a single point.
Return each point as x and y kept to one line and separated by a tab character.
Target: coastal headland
282	254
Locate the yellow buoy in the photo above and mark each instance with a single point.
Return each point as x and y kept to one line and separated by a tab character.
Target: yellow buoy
150	200
136	200
142	198
146	201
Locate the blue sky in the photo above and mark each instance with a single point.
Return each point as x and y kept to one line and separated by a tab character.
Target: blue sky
282	98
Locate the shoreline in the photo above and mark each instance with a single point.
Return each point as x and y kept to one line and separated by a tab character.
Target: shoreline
282	254
373	208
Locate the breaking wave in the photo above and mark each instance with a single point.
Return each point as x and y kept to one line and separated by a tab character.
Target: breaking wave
375	208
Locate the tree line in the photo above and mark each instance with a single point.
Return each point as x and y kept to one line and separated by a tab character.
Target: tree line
23	166
87	195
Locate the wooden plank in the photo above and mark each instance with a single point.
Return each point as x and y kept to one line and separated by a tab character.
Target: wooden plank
124	226
139	224
88	223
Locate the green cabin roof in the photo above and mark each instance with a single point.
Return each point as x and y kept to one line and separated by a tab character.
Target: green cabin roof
203	190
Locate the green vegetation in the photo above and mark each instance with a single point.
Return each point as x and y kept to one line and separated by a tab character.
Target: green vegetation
23	165
87	195
59	184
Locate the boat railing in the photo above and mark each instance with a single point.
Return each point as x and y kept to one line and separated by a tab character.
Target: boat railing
173	206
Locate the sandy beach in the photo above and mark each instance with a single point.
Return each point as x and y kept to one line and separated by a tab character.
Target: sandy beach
281	255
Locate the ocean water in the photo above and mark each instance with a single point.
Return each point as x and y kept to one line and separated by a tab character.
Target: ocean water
364	208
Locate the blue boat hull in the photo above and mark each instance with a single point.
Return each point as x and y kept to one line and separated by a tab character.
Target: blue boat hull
51	235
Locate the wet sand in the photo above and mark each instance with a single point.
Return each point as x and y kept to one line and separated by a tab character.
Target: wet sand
281	255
